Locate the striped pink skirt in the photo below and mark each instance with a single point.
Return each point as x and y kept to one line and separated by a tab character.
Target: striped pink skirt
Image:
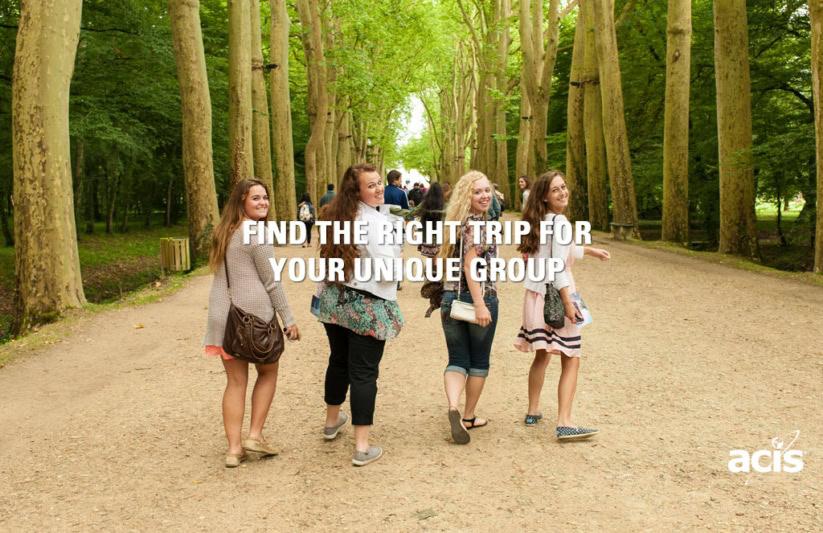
535	334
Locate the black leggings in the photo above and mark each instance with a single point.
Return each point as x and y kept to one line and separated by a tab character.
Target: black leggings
309	226
355	361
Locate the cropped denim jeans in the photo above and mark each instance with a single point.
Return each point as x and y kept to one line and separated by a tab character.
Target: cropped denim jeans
469	345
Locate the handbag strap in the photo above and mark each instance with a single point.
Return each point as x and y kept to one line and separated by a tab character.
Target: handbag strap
462	270
226	264
551	245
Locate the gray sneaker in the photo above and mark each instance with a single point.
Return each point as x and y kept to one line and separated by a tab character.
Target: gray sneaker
364	458
330	433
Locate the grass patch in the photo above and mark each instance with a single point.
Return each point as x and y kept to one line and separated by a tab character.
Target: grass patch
50	334
112	265
730	260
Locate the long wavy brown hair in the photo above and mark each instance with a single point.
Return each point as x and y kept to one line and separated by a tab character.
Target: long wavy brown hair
344	207
535	209
233	213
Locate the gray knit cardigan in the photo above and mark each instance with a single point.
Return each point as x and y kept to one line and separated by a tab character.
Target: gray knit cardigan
253	288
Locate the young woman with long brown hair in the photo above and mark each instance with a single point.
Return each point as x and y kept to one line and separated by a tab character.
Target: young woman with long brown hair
549	200
359	315
256	292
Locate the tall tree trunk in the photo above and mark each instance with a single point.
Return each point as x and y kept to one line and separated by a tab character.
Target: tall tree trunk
286	195
575	139
198	169
816	12
614	121
738	231
312	37
91	200
523	142
344	146
46	262
330	137
261	138
169	200
501	169
538	64
240	102
676	123
593	127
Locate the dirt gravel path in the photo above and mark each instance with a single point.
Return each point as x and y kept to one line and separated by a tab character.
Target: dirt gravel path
119	429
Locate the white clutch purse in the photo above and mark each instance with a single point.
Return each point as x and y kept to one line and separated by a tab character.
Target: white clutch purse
463	311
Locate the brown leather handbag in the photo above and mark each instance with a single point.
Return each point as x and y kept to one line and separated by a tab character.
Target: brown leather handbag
250	338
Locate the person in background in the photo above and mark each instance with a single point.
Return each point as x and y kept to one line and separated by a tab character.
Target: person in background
501	198
256	292
305	212
494	209
393	194
328	197
524	184
416	195
447	192
359	316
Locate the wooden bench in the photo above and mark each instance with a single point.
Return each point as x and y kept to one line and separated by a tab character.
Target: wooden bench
174	255
621	232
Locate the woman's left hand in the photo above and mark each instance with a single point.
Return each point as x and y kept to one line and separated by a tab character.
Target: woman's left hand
293	333
600	253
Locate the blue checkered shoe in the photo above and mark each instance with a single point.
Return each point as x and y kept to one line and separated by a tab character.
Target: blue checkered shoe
569	433
532	420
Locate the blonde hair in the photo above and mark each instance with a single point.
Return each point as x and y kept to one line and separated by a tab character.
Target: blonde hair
460	204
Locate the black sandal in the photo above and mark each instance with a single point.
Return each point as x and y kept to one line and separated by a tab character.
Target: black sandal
471	421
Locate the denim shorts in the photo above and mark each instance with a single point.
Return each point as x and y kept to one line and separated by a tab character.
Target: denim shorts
469	345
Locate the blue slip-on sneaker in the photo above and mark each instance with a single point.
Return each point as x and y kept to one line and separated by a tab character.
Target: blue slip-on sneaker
570	433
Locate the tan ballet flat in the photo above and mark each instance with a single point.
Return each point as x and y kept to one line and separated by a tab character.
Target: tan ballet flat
259	446
233	460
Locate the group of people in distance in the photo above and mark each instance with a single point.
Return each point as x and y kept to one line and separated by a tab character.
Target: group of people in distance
359	317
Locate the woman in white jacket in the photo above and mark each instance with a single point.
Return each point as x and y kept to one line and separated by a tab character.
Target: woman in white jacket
359	316
550	197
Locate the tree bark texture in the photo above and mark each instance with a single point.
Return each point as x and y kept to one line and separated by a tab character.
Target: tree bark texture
816	12
198	167
614	121
523	142
46	262
593	126
676	123
261	137
575	139
285	195
538	66
738	232
240	137
318	104
501	167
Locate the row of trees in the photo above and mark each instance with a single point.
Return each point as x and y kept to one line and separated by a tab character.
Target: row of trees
618	93
132	85
571	85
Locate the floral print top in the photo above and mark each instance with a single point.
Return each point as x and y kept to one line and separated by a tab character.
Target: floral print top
360	312
484	251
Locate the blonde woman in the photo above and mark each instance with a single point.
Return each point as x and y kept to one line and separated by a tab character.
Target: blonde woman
256	292
469	345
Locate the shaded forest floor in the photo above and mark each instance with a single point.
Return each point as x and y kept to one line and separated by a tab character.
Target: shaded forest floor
112	264
118	428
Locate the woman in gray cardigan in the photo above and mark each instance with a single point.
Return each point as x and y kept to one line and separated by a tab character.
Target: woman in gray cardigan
255	291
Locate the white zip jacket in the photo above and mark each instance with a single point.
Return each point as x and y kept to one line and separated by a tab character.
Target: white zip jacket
560	251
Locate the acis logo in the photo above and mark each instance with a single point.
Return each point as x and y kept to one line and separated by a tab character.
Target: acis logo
779	459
